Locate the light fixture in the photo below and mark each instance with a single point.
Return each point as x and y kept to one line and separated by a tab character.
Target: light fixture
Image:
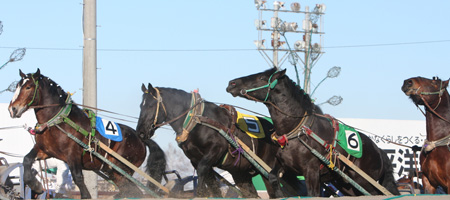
320	8
260	4
316	48
277	5
259	44
295	6
292	26
299	45
260	24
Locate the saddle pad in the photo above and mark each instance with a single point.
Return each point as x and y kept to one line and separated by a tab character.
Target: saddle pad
348	138
250	124
109	129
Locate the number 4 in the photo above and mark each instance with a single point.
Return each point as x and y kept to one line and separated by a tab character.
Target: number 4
110	127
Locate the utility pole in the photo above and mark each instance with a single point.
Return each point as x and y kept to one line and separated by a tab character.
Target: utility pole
90	74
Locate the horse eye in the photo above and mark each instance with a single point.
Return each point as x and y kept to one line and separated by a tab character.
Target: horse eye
28	87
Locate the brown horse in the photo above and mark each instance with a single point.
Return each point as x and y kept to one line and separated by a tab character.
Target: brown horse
435	155
54	110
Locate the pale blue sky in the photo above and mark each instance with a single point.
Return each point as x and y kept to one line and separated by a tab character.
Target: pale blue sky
135	39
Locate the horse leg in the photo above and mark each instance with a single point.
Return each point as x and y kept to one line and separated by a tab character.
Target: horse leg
427	187
275	183
245	184
77	176
28	177
127	189
206	177
293	186
313	182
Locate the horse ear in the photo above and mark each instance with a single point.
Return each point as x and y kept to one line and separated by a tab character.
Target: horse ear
37	74
279	74
144	89
445	83
22	74
151	90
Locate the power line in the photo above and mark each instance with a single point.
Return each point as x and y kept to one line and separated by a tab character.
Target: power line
218	50
388	44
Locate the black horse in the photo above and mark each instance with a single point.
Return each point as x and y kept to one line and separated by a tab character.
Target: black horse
292	110
204	146
54	108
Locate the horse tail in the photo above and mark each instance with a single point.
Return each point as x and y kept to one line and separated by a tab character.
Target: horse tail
156	163
388	180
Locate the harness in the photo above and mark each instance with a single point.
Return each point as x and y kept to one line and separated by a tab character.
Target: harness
189	123
62	116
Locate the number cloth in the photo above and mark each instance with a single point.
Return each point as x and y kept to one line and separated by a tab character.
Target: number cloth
250	124
109	129
348	138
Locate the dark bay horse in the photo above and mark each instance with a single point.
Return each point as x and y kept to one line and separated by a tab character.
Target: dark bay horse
52	104
435	154
204	146
291	109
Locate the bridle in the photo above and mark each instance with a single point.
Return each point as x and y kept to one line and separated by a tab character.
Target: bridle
159	100
270	85
432	110
36	82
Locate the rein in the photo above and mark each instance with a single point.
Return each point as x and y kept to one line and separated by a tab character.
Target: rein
272	104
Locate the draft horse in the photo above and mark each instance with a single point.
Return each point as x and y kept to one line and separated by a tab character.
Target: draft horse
435	153
203	145
293	112
53	107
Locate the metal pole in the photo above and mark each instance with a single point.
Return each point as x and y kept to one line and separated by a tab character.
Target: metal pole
90	75
307	27
275	39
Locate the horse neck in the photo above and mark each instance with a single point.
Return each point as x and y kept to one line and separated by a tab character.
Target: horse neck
292	111
435	126
176	103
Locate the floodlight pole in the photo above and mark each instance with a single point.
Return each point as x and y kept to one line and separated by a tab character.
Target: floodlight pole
90	75
306	24
276	35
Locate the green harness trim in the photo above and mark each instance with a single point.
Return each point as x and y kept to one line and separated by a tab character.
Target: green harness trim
62	116
35	90
187	120
269	85
196	109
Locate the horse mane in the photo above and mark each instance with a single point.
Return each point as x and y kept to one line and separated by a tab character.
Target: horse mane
54	88
298	93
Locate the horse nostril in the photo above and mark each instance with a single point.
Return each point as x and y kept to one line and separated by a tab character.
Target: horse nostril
232	83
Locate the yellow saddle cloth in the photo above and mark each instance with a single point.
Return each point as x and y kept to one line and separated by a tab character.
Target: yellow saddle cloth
250	124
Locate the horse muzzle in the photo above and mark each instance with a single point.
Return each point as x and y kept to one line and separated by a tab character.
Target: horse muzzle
16	111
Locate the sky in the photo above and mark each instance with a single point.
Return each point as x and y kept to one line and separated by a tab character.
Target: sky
204	44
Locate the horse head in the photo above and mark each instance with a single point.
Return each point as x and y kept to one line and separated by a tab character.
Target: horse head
422	90
152	113
27	94
256	86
